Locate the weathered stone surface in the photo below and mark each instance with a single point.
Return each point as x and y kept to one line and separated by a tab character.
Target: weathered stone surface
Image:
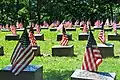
118	28
113	37
83	36
1	51
87	75
106	50
44	27
97	28
81	28
39	36
20	29
53	29
11	37
108	29
59	36
70	29
63	50
36	50
5	30
32	72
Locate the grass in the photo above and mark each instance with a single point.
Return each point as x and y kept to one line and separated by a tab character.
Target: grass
61	68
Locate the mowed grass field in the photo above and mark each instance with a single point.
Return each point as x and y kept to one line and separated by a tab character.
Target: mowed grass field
61	68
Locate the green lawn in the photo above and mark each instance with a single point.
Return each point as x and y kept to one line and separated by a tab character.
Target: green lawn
61	68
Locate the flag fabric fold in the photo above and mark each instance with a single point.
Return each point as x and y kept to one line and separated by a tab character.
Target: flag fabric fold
92	57
22	54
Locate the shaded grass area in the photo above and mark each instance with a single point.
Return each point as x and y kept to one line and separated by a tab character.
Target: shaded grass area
61	68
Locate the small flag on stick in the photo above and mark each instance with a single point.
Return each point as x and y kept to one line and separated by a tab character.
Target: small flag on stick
92	57
64	41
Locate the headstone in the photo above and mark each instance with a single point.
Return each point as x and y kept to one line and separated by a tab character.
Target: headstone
106	50
1	51
36	50
39	36
44	27
118	28
34	29
70	29
108	29
87	75
113	37
5	30
118	25
77	26
31	72
53	29
83	36
22	29
59	36
63	50
110	25
97	28
81	28
12	37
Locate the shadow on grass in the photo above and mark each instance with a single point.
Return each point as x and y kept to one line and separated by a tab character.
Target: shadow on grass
58	75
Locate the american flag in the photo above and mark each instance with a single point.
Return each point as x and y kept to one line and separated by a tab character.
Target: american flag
114	27
37	28
20	25
13	29
92	56
32	37
22	55
97	23
64	41
101	36
85	28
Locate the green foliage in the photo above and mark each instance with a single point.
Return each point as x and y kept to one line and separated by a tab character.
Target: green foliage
59	9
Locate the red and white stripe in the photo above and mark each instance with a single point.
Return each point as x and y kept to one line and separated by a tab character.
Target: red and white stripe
92	59
64	41
32	39
101	36
85	28
37	28
114	27
13	29
22	58
16	54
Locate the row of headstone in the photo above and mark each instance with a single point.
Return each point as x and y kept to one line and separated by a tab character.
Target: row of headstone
36	50
34	72
81	36
106	50
16	37
67	29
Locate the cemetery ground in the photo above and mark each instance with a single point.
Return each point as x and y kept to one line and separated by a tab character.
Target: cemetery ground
61	68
